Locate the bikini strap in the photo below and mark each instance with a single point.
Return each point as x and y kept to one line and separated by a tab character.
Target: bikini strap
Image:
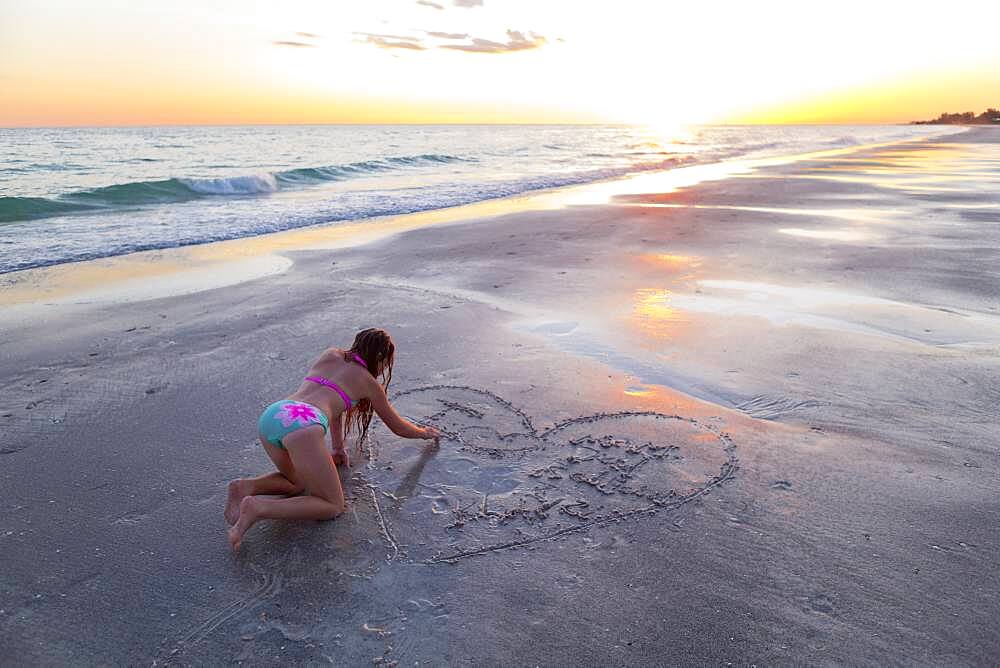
333	386
357	358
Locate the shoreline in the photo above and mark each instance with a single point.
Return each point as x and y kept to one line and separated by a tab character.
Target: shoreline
126	277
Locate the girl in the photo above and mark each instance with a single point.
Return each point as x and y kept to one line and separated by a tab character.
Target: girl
342	389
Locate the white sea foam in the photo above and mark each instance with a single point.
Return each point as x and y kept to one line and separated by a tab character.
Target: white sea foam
254	184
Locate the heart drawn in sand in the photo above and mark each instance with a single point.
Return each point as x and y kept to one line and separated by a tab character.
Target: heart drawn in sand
498	482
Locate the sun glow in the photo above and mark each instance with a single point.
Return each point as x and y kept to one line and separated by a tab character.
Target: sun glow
665	65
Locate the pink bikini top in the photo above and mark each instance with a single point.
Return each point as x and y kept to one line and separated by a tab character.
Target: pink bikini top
336	388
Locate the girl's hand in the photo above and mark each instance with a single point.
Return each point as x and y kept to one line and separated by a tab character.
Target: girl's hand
340	457
432	433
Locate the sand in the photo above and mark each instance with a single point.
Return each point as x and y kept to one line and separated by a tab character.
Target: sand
744	415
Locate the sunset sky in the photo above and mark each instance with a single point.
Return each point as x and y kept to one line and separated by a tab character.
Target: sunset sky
441	61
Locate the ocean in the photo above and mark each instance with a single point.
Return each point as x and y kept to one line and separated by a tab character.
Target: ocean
72	194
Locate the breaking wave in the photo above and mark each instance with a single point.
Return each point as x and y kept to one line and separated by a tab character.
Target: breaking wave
175	190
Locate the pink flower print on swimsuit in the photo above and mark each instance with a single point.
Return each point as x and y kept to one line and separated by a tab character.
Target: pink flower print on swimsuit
292	412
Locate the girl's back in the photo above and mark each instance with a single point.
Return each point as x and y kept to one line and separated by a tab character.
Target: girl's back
331	366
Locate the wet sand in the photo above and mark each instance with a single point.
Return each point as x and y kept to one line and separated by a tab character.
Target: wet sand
748	420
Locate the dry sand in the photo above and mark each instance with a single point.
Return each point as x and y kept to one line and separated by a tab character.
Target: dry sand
750	420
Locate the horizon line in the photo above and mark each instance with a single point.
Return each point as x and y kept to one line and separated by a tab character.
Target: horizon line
470	124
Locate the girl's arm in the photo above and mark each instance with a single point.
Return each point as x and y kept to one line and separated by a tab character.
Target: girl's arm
337	437
396	423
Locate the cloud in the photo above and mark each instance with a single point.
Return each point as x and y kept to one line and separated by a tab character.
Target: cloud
467	4
516	41
296	43
446	35
398	38
392	41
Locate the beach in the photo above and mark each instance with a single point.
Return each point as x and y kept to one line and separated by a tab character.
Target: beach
738	413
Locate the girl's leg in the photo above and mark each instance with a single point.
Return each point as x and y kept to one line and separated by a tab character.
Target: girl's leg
271	483
282	481
316	471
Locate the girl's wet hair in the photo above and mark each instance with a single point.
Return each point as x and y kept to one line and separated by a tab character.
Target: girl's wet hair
376	348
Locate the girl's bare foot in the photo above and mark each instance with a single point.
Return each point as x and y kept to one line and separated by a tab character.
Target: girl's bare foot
247	517
237	491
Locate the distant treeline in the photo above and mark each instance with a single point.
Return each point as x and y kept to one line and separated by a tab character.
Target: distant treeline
988	117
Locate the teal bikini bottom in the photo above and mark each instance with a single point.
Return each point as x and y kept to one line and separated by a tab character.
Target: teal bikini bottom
283	417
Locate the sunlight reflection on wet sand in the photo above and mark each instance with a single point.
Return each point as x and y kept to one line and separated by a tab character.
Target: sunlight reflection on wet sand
857	215
658	312
829	234
925	167
654	314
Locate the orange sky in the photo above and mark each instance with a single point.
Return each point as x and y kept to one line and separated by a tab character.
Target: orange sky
68	62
